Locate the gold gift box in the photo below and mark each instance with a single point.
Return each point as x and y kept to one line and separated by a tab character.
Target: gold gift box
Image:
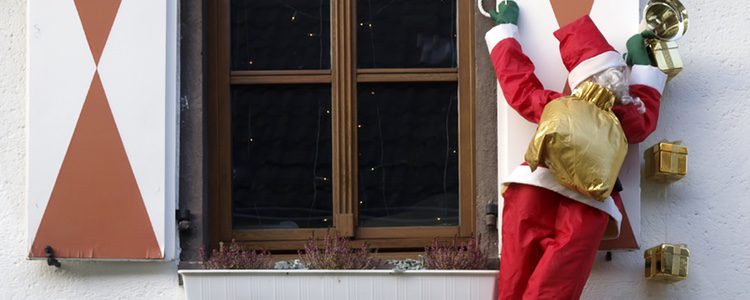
666	56
667	262
666	162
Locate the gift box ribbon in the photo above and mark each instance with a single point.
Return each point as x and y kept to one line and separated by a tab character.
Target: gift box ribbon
676	260
674	159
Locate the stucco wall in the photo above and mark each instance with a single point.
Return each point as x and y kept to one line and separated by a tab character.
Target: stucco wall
704	106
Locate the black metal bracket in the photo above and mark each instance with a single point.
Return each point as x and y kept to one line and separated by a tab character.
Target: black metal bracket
608	257
51	260
183	219
490	216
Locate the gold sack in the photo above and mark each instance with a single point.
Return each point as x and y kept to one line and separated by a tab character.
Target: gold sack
581	141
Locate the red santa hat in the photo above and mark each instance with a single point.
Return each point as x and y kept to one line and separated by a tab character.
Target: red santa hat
585	51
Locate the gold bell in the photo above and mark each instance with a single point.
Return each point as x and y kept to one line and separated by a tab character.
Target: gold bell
668	20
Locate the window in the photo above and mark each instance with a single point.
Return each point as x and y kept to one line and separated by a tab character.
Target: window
355	115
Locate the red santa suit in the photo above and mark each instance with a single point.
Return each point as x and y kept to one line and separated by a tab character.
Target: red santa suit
550	233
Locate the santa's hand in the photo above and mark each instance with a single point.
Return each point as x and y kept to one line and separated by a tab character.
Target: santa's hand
637	53
506	13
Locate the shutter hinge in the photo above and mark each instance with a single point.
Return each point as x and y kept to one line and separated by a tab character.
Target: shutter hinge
490	216
51	260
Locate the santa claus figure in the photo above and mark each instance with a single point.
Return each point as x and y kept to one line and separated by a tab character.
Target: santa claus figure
551	232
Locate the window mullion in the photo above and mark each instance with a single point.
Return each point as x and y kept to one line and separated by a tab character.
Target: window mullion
466	90
344	116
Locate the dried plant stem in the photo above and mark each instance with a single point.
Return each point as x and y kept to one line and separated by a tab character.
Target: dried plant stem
455	256
335	253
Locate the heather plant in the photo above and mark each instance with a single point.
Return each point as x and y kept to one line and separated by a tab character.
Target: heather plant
335	253
234	257
455	256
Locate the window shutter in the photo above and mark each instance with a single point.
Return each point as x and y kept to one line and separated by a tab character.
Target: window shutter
102	124
617	20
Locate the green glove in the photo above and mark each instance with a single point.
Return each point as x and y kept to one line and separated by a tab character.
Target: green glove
637	53
506	13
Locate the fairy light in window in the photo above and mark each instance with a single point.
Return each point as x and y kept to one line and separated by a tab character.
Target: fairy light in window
294	16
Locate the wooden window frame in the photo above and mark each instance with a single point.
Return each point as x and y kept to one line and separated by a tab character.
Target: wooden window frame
343	77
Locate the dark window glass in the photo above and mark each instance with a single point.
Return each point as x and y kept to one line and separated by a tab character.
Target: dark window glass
281	156
280	34
406	33
408	154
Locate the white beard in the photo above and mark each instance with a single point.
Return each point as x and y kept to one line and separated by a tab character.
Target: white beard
616	80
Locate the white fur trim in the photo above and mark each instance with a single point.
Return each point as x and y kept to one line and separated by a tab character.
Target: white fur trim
641	106
649	76
498	33
591	66
544	178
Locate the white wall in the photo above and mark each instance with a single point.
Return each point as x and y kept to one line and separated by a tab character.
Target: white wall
22	279
706	106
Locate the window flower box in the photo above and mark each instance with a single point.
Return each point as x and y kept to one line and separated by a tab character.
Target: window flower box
340	284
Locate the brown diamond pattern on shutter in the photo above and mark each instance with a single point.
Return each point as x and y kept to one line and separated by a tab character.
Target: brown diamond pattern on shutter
567	11
96	209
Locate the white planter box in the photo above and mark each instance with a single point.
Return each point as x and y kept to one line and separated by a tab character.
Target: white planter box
339	284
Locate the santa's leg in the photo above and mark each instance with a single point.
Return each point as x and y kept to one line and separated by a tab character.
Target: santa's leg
567	260
529	216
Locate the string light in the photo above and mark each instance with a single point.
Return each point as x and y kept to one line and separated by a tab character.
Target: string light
328	111
372	169
251	62
294	16
325	219
361	24
359	126
372	92
325	178
360	202
454	151
438	218
311	34
251	140
369	25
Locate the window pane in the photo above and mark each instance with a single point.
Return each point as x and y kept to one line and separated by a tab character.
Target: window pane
406	33
281	156
280	34
408	154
